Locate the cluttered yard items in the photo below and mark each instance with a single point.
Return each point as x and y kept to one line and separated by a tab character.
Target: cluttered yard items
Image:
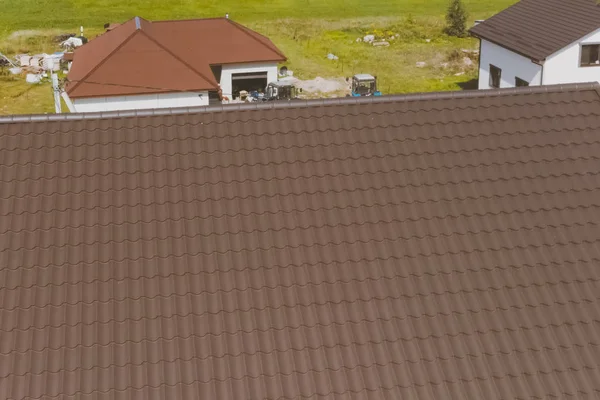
280	90
37	66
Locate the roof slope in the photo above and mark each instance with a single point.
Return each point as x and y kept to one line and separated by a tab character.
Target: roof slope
140	56
434	247
228	42
539	28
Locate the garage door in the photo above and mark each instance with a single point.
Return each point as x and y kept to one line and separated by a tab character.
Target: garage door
249	75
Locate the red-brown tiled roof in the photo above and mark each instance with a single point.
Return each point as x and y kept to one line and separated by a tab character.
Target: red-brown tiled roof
140	56
439	246
539	28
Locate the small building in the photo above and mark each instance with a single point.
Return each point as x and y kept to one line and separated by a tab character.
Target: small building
540	42
163	64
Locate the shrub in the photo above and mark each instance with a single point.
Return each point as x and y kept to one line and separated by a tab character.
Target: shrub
456	19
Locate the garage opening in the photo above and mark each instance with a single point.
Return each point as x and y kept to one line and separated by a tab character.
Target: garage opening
249	82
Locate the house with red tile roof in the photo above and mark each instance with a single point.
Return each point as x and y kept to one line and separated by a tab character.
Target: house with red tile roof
143	64
540	42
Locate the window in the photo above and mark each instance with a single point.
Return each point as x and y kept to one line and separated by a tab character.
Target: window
590	55
520	82
495	74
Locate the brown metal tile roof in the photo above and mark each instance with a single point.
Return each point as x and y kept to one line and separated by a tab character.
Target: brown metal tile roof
420	247
140	57
539	28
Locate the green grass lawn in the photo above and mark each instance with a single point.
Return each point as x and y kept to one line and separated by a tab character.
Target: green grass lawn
307	43
305	30
19	97
36	14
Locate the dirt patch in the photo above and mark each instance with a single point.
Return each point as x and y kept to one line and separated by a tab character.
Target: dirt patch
321	86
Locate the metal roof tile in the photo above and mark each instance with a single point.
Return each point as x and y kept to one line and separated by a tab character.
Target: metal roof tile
446	248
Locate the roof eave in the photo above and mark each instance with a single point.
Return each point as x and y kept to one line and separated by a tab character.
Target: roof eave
247	62
80	96
535	58
317	102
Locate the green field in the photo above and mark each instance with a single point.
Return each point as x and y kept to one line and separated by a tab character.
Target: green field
306	31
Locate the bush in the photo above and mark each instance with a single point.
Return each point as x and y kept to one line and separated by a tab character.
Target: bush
456	19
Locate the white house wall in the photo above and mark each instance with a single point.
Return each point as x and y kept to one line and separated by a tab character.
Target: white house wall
563	66
141	102
229	70
512	65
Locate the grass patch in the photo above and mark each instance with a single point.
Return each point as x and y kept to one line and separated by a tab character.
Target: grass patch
307	44
20	97
29	41
70	14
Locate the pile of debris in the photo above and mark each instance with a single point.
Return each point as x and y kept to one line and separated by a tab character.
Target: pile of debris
42	65
62	37
69	41
36	66
40	62
470	53
378	38
5	62
460	61
73	42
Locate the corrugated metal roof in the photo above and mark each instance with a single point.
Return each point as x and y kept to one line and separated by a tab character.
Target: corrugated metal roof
141	57
539	28
415	247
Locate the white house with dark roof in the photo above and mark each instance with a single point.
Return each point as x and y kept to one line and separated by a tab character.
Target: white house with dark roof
540	42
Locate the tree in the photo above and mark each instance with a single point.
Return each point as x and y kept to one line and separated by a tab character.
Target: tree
456	19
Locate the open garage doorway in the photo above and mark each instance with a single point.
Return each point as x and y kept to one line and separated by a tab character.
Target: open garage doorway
250	81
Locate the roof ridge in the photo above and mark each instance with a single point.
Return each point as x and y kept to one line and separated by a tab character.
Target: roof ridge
158	43
246	30
308	103
109	55
188	19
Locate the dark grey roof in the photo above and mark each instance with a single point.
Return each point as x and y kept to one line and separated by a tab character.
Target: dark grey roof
539	28
415	247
